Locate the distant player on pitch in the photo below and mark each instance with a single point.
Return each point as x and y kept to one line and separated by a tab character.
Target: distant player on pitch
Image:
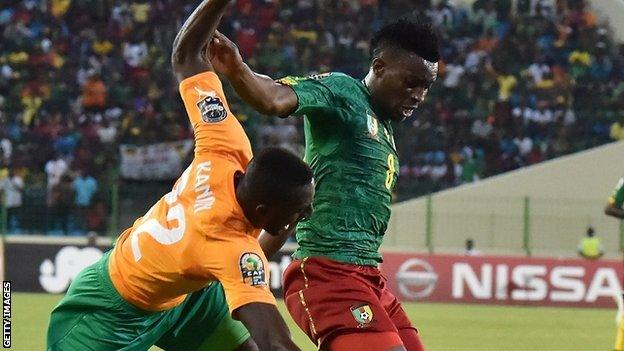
333	289
615	204
158	286
615	208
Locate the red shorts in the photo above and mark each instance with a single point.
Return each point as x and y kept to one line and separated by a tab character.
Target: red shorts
328	298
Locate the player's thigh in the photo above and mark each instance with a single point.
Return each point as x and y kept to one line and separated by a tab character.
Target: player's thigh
411	339
400	319
363	340
101	330
325	301
90	317
203	322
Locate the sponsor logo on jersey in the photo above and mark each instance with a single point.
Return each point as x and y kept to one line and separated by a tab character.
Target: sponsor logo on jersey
363	314
252	269
210	106
292	81
319	76
373	126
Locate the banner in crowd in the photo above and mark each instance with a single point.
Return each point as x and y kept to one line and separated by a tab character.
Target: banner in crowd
52	267
163	161
503	280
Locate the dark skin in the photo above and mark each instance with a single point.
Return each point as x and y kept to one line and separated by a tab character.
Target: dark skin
264	322
277	221
398	81
614	211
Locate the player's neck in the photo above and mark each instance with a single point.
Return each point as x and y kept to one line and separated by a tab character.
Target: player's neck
377	107
242	199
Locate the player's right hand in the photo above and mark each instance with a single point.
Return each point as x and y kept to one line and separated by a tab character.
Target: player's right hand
224	55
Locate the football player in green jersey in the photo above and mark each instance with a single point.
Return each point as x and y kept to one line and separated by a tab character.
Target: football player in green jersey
615	208
334	289
615	205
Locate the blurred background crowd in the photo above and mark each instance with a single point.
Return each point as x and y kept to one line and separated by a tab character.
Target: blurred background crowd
78	78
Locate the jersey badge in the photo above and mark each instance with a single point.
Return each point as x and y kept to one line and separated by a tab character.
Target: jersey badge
363	314
252	269
210	106
373	126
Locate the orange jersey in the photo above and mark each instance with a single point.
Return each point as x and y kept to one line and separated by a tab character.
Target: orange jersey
197	233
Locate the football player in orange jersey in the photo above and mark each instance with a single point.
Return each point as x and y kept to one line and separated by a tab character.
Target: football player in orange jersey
172	277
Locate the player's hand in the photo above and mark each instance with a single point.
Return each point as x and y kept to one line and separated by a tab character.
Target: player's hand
224	54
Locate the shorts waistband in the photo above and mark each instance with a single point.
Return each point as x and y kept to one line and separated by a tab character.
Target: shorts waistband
107	285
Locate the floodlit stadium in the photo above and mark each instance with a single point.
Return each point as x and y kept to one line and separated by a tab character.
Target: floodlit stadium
492	131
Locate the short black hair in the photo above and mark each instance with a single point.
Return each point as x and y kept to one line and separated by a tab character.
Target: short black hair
273	173
409	35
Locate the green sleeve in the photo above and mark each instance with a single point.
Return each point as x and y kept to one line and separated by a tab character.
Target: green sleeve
617	198
319	94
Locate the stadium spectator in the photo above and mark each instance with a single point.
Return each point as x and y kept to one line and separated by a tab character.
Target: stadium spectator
84	186
12	186
34	197
617	130
94	93
61	202
72	71
92	239
590	246
470	248
55	169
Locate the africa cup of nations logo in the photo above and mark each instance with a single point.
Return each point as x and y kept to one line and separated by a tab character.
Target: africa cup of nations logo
252	269
363	314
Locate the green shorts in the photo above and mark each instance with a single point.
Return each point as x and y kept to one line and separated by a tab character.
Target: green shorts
93	316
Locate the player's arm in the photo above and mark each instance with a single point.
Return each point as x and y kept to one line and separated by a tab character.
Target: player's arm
237	261
272	243
259	91
615	207
187	58
266	326
614	211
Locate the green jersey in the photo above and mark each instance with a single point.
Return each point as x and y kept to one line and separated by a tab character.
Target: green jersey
617	198
353	156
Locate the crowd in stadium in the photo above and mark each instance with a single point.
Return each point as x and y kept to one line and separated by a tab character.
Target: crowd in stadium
517	86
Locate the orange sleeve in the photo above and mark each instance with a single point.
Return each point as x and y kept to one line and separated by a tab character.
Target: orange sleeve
216	128
240	265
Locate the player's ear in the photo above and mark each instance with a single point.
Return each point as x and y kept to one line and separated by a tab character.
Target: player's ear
262	210
378	65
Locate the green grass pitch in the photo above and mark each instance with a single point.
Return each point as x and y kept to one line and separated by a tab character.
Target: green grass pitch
443	327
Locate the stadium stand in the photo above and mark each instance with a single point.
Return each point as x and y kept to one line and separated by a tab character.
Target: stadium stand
79	78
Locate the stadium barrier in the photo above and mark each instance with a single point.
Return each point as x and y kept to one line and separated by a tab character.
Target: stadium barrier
521	226
37	264
503	225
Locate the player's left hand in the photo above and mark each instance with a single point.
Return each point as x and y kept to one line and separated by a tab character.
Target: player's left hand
224	54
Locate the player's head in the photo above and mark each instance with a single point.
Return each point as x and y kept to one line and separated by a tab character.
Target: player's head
469	244
276	191
590	231
404	65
